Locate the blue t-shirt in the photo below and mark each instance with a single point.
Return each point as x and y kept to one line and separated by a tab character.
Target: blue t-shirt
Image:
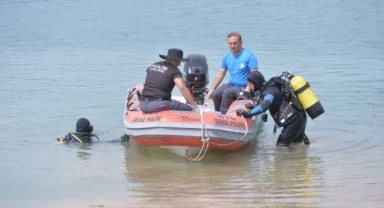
239	66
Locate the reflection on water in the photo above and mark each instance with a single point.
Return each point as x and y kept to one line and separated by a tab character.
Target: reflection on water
253	175
294	177
83	150
83	155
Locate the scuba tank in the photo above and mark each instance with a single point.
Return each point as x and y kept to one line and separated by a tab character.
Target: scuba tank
306	96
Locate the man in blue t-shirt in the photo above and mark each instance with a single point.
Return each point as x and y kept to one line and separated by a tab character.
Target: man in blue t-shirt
239	62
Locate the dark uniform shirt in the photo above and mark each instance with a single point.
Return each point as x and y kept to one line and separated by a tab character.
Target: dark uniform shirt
159	80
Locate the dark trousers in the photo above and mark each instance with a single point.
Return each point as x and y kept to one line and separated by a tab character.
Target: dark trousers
229	95
162	105
294	131
225	92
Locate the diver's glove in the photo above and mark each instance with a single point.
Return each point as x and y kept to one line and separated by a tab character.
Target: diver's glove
264	117
63	138
244	113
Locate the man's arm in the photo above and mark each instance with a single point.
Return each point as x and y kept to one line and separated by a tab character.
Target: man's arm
253	64
264	106
185	91
219	78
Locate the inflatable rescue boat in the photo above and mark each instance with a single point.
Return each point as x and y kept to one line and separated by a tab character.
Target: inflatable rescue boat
190	133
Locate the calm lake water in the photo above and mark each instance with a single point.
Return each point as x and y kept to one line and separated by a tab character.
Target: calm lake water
62	60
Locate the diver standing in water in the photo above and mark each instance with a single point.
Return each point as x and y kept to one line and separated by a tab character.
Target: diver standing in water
282	98
84	133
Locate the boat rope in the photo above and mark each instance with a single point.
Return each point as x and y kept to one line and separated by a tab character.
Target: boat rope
206	140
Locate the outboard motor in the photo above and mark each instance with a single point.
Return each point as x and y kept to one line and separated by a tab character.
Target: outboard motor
196	76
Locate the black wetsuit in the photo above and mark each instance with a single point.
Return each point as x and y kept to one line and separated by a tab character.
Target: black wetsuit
77	137
277	100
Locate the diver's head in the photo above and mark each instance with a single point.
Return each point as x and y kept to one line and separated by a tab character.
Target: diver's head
84	126
256	79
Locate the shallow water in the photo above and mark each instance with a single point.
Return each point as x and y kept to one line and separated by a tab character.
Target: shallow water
62	60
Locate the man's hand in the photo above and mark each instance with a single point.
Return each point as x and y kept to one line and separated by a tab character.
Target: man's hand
194	107
209	94
244	113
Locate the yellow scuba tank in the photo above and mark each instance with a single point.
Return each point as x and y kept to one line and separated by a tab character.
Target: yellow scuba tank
306	96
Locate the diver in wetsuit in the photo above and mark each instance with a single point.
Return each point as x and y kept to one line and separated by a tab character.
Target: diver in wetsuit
84	133
283	106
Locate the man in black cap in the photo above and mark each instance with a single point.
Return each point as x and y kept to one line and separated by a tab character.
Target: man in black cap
161	78
284	108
